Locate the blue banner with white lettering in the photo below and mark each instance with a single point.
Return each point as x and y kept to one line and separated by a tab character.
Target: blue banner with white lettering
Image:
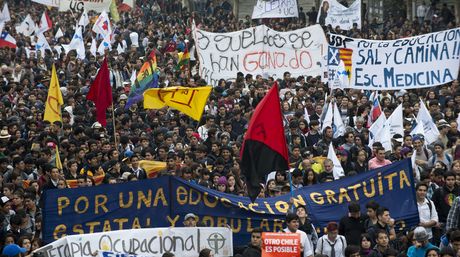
415	62
165	201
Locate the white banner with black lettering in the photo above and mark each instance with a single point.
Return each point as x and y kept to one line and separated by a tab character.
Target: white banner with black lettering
88	5
335	14
53	3
275	9
151	242
416	62
261	51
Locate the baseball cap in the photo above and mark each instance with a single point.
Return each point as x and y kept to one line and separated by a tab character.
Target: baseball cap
13	250
189	215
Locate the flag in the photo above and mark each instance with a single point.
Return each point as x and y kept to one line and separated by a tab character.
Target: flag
100	93
393	125
147	78
152	168
327	121
5	14
104	45
93	48
418	129
338	171
338	126
6	40
306	116
45	23
76	44
375	129
376	110
54	100
114	12
183	59
133	77
102	25
430	129
42	44
59	34
264	147
58	159
120	49
170	47
27	26
190	101
458	122
84	20
126	5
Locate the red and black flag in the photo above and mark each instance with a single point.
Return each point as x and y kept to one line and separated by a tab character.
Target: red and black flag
264	148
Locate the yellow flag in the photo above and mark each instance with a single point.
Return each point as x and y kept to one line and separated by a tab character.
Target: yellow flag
152	168
189	100
58	159
54	100
114	12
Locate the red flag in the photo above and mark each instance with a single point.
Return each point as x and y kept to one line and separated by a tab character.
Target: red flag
101	93
264	148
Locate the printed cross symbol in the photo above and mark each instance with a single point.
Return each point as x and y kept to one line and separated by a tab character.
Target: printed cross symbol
333	57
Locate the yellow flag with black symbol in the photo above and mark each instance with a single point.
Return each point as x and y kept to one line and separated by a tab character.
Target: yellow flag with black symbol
188	100
54	99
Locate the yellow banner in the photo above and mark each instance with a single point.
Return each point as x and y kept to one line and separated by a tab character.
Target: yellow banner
190	101
54	100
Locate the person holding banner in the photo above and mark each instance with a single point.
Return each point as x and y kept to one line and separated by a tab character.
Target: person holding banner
292	222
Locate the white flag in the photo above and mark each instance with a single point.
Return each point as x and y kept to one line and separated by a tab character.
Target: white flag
42	44
45	23
84	20
102	25
338	170
339	127
5	15
393	125
306	116
133	77
458	122
93	49
376	128
327	122
120	49
418	129
430	130
27	26
59	34
76	44
58	49
104	45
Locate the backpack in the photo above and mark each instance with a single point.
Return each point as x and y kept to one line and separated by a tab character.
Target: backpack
332	245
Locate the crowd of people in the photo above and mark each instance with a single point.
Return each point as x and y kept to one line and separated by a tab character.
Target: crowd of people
208	152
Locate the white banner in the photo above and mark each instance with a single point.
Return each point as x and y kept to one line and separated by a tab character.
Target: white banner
415	62
146	242
53	3
88	5
275	9
261	51
114	254
335	14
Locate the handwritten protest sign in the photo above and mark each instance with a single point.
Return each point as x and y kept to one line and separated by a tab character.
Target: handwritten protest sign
423	61
335	14
280	244
261	51
275	9
145	242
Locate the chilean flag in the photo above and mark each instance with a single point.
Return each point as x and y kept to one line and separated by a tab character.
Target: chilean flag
6	40
376	110
45	23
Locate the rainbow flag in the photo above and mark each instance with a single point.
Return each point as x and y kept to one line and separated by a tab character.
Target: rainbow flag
147	77
183	60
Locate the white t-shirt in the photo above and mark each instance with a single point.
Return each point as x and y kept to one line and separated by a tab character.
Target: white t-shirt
306	243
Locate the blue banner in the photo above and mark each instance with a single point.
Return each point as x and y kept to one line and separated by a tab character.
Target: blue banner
165	201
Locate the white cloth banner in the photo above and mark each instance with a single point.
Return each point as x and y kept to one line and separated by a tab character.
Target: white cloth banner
88	5
416	62
153	242
53	3
335	14
261	51
275	9
115	254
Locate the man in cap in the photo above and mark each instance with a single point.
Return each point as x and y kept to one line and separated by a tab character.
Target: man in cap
190	220
421	244
332	244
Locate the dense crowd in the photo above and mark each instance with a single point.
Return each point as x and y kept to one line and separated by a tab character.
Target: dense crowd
207	152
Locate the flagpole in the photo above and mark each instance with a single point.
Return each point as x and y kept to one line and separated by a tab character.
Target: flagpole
114	128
